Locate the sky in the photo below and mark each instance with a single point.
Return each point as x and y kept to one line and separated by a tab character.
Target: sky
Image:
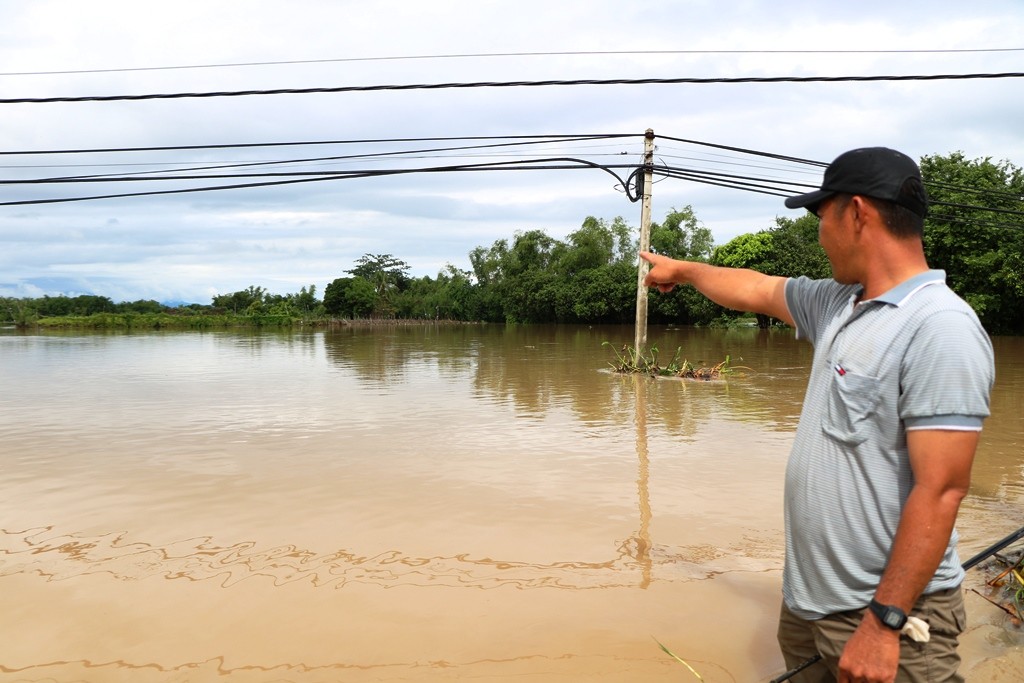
192	246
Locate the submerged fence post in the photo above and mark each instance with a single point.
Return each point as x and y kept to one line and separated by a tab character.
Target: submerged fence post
640	342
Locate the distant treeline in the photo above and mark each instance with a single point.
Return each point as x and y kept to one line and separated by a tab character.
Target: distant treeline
100	312
975	232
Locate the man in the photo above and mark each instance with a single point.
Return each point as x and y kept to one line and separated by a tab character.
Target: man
890	422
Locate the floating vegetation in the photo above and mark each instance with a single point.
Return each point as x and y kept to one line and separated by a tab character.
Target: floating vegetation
628	361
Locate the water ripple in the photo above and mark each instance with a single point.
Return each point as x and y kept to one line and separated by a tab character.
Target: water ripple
218	668
57	557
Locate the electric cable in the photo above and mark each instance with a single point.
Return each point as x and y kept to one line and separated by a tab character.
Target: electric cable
521	140
731	178
972	207
511	84
485	55
744	150
975	190
495	166
774	186
736	162
970	220
537	139
403	153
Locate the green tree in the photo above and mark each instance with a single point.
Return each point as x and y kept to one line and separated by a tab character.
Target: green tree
387	274
591	246
304	301
487	271
450	296
528	284
682	236
974	235
626	242
142	306
601	295
21	312
88	304
796	250
596	273
350	296
241	301
750	250
459	297
54	305
790	248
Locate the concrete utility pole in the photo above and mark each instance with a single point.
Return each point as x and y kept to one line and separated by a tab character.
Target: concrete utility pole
645	245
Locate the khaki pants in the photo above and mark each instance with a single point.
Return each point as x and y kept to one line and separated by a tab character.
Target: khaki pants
932	662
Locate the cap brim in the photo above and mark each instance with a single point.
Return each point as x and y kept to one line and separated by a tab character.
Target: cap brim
802	201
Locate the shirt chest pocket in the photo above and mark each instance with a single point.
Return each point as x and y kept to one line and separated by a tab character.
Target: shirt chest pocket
852	401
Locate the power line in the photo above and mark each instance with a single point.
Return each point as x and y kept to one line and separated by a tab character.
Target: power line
556	163
489	55
241	145
782	188
774	186
971	207
978	222
975	190
994	194
511	84
151	174
519	141
745	150
732	160
785	188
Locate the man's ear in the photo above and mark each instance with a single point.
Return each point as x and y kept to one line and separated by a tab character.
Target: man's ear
862	211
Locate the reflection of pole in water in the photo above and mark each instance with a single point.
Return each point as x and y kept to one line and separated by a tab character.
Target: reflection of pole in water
643	536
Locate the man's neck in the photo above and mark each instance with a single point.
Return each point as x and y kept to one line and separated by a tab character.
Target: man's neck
892	262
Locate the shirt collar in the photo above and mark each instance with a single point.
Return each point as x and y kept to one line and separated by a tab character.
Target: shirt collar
899	294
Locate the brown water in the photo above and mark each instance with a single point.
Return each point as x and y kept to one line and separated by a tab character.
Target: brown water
417	504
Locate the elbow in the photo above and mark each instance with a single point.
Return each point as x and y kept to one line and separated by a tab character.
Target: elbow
945	501
953	495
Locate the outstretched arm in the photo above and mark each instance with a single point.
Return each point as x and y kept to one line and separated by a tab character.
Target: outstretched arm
736	288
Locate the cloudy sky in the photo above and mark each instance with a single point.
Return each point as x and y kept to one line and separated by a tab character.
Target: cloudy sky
191	246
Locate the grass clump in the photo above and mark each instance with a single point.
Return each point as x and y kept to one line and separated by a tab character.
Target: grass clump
629	361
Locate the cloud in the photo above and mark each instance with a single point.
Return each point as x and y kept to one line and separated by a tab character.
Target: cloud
189	246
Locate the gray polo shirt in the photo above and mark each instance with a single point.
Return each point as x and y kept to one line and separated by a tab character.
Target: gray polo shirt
916	357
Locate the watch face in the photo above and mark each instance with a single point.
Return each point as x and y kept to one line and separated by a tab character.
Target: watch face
893	617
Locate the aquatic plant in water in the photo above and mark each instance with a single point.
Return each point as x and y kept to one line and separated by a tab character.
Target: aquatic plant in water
629	361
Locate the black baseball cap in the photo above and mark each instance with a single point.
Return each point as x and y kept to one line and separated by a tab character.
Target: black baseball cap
877	172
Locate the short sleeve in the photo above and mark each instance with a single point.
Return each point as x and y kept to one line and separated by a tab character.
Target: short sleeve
947	373
811	302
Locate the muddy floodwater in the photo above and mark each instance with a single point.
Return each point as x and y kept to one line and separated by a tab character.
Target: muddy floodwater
427	503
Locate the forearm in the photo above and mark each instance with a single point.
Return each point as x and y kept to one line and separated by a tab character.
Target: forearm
921	541
941	462
873	652
736	288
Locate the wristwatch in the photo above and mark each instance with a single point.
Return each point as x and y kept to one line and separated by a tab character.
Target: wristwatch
893	617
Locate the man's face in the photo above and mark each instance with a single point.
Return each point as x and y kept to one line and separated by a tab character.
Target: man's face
834	233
